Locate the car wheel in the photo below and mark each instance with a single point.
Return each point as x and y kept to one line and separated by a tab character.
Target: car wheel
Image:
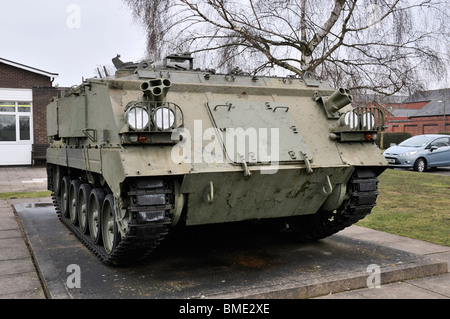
420	165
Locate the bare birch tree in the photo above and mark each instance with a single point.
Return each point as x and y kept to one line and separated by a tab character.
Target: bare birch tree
386	46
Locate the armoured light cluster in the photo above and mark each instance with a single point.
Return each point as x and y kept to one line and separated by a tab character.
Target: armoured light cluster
161	145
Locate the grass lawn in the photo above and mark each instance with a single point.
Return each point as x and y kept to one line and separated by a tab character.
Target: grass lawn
25	195
414	205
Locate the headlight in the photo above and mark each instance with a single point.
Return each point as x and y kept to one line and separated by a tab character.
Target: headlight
164	118
137	118
351	120
368	121
408	153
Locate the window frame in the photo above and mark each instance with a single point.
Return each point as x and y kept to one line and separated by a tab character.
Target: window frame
18	115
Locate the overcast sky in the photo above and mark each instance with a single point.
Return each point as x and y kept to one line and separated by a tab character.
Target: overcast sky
69	37
72	37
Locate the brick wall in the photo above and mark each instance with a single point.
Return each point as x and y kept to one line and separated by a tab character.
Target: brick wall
41	98
15	78
420	125
43	91
412	105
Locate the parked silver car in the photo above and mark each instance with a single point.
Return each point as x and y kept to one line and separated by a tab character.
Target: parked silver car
420	152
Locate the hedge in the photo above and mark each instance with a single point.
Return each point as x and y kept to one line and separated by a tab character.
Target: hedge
385	139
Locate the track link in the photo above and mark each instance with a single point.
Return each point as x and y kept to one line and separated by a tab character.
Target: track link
141	238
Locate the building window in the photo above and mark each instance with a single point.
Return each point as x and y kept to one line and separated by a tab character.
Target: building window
7	107
24	123
15	124
24	107
7	128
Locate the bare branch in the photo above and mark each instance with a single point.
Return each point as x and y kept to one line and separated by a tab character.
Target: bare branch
381	45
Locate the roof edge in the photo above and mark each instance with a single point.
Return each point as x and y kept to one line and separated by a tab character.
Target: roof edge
28	68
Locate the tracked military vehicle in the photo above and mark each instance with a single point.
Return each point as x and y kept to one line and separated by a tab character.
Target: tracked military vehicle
157	145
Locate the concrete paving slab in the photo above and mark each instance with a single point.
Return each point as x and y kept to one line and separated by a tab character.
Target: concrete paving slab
401	290
16	266
394	241
11	233
219	261
437	284
18	276
24	285
12	248
7	222
23	179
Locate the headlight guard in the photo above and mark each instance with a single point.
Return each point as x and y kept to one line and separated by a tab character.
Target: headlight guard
164	118
137	117
153	116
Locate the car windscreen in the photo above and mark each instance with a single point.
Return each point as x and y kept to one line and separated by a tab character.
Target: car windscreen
416	141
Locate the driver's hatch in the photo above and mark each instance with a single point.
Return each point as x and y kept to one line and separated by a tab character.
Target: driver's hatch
258	132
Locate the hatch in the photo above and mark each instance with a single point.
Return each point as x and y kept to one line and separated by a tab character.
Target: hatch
258	132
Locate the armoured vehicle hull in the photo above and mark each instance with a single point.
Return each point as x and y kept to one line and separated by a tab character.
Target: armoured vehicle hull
156	146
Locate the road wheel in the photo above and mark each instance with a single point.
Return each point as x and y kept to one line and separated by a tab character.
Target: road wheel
83	199
57	175
65	185
111	236
94	215
73	201
420	165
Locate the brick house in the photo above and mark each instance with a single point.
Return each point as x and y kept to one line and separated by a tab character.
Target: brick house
424	112
24	94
